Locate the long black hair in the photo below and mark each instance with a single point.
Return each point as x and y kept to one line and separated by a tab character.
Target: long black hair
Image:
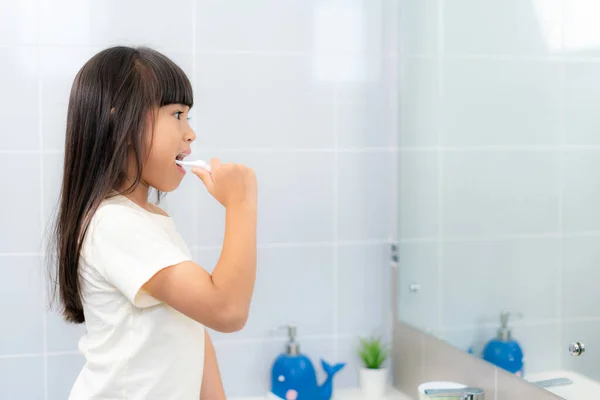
110	111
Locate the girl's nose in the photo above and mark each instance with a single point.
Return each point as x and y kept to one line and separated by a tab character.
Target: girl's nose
190	136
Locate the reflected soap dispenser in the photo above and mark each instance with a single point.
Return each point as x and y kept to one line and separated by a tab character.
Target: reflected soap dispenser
504	351
293	376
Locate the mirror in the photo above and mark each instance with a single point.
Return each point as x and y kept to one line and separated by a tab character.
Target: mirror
499	179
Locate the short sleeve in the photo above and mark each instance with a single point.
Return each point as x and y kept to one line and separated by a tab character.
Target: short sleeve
128	248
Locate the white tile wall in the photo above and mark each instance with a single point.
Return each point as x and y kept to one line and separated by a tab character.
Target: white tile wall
364	195
303	91
21	305
418	27
22	377
582	93
501	102
262	25
581	34
22	230
498	172
362	294
19	22
500	274
419	265
72	13
158	24
20	80
586	331
295	110
504	27
581	254
499	193
62	372
58	66
419	191
420	105
581	191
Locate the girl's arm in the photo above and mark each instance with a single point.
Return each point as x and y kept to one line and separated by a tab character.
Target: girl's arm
220	301
212	386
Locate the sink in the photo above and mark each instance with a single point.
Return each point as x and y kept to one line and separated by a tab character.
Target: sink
581	388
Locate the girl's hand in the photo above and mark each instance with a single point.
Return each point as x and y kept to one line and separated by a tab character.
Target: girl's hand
230	184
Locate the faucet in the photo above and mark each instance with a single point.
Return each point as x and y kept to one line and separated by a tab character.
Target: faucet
468	393
553	382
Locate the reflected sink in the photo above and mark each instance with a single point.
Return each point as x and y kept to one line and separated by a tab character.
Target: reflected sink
581	388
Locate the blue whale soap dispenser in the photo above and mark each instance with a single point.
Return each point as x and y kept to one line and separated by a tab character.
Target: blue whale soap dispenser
293	376
504	351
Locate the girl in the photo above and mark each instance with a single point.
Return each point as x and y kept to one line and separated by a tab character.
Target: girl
121	266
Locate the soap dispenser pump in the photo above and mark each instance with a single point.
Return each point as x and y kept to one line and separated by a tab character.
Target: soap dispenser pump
504	351
293	376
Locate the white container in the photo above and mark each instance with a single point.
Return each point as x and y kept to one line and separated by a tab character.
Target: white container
373	382
438	385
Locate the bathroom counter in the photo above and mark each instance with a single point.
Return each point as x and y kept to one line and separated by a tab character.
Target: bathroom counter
581	388
356	394
341	394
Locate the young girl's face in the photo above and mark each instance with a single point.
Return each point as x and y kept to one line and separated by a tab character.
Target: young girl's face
172	137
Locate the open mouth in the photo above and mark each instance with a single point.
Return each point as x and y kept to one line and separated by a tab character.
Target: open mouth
182	155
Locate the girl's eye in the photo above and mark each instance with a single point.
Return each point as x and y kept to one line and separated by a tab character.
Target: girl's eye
177	114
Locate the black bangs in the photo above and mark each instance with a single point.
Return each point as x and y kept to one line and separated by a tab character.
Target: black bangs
173	86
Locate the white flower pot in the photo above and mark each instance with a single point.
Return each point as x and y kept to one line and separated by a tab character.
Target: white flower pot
373	382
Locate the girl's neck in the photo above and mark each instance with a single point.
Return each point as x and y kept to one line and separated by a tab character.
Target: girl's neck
140	196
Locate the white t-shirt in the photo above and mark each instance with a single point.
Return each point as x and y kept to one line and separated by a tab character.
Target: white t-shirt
136	347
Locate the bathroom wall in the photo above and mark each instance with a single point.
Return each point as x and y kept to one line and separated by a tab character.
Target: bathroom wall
499	158
300	90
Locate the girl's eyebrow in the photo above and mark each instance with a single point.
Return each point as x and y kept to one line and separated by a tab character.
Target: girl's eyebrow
178	105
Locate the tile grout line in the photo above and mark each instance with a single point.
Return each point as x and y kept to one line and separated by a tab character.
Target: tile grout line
19	356
440	168
196	213
40	254
521	324
267	150
263	339
283	338
42	220
501	237
531	148
404	240
561	195
362	150
41	355
260	246
510	58
392	267
303	244
256	53
334	248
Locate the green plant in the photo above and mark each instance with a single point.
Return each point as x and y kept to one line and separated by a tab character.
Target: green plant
372	352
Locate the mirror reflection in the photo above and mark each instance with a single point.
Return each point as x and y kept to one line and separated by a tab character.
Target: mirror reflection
498	199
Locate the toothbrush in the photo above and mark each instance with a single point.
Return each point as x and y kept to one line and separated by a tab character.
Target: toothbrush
197	163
